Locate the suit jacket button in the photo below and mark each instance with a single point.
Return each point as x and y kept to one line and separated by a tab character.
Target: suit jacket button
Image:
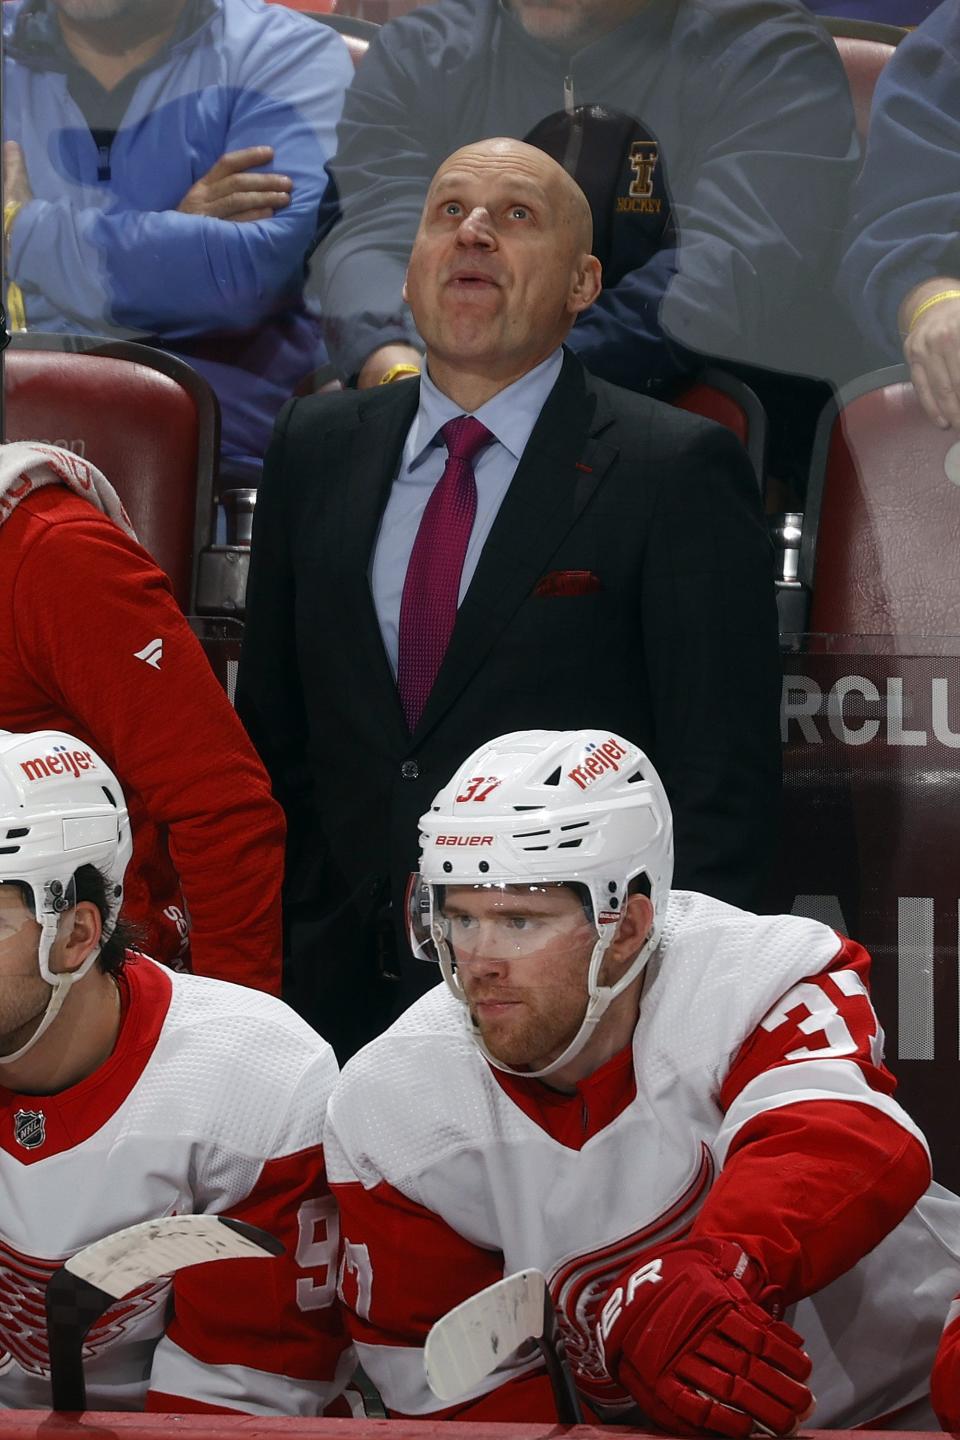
410	770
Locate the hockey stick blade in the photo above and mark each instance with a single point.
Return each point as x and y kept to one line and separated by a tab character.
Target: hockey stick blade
470	1341
89	1282
132	1257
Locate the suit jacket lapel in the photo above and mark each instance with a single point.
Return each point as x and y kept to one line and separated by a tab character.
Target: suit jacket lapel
374	456
564	461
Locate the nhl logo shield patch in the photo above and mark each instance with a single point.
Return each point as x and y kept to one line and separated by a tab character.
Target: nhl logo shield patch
30	1128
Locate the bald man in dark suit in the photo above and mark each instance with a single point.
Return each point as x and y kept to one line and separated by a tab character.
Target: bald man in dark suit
502	543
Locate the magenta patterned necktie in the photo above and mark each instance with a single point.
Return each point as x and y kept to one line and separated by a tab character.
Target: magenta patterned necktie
428	608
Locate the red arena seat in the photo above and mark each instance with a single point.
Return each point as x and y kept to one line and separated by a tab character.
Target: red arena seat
356	32
865	47
310	7
881	543
144	418
729	401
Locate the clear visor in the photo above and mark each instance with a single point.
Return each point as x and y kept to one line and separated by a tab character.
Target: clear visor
498	922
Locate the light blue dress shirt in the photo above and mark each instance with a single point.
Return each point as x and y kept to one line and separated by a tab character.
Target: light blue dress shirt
510	416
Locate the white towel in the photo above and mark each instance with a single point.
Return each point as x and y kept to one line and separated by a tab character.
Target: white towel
28	465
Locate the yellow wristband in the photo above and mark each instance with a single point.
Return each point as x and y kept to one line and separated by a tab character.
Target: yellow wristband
16	312
929	304
397	372
10	212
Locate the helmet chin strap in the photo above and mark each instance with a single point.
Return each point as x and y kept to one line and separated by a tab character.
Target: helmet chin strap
59	984
600	997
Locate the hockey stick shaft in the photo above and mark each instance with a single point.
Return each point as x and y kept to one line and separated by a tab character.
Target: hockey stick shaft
73	1305
550	1344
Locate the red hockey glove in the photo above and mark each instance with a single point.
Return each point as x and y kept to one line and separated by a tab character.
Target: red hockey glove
683	1332
945	1382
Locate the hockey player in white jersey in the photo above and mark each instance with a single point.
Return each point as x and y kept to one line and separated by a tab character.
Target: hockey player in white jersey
676	1110
128	1093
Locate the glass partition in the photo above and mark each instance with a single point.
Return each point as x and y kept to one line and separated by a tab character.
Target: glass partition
871	732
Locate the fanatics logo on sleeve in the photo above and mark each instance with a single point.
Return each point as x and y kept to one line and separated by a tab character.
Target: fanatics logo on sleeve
30	1128
151	654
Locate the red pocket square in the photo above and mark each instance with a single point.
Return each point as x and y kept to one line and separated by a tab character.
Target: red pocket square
568	582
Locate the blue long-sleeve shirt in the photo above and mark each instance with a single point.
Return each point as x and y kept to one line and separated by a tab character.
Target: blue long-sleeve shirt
102	248
906	222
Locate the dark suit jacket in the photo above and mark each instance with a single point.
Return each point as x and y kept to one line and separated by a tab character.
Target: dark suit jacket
676	650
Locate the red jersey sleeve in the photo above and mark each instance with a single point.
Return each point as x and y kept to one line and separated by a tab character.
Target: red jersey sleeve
819	1161
90	601
402	1268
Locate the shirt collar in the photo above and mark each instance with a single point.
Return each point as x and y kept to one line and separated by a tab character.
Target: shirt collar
509	416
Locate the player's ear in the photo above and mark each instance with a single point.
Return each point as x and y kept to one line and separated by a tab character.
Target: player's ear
80	931
634	927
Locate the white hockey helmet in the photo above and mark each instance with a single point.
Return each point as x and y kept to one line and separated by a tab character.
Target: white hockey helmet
544	807
60	807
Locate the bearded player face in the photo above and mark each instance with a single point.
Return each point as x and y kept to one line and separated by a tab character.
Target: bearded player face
522	954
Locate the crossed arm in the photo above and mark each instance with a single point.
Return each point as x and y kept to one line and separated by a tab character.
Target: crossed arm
235	238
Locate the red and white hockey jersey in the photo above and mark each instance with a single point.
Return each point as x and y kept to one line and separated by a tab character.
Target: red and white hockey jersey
753	1104
212	1103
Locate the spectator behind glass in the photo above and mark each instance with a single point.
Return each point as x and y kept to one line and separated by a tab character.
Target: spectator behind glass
93	642
885	12
902	270
737	149
165	158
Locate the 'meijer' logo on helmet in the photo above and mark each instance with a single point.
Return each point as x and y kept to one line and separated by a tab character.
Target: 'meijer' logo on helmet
600	757
61	762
